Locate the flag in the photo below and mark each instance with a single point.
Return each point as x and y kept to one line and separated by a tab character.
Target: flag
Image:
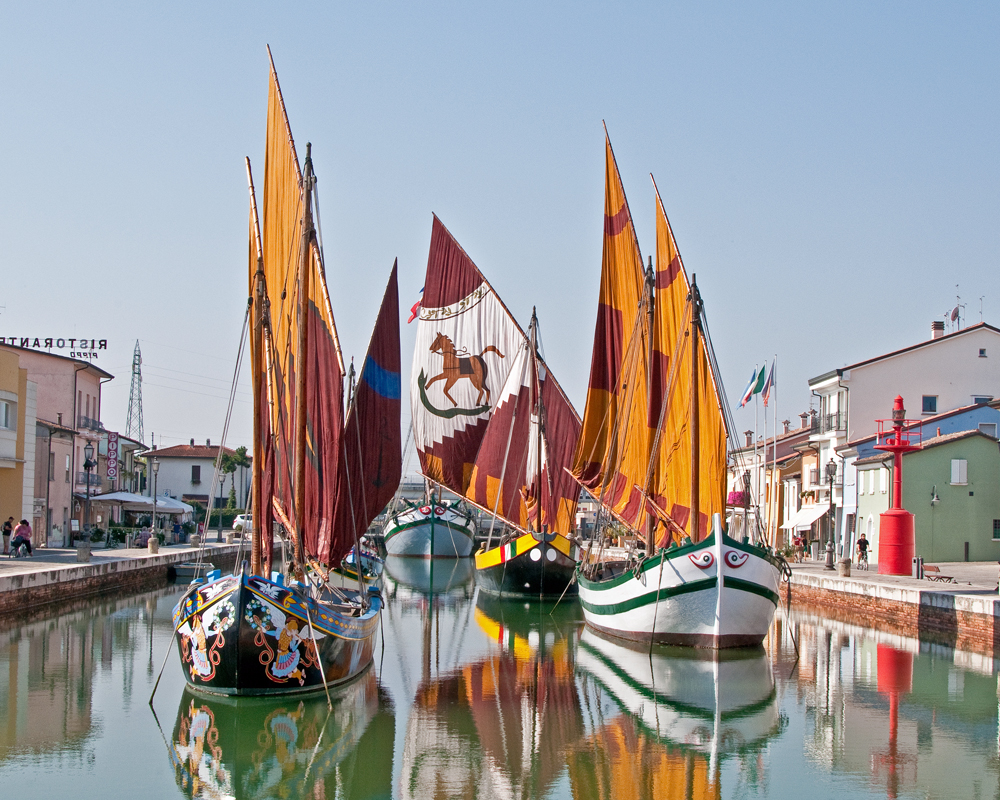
415	309
752	388
768	385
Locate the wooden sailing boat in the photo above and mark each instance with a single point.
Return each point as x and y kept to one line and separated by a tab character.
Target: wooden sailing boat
491	423
319	476
653	451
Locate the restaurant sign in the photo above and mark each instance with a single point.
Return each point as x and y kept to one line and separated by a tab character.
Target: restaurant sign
78	348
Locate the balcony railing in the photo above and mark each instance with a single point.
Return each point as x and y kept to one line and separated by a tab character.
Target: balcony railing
89	423
828	423
83	478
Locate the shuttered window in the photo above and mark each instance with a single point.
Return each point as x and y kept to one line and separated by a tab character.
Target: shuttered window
959	471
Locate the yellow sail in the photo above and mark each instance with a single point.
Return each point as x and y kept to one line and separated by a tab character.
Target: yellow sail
671	387
612	455
282	244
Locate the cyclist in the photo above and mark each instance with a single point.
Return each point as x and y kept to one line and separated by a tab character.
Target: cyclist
862	546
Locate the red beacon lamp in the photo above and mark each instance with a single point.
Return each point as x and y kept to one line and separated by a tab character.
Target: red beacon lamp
895	537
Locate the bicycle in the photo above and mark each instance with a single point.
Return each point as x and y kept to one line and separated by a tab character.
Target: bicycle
863	560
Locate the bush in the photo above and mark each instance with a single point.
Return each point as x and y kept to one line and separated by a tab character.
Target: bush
97	535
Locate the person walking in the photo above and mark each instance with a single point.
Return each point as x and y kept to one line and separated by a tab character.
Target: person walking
22	535
8	529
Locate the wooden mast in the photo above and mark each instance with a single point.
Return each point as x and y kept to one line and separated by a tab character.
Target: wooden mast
536	389
257	467
300	362
694	526
650	522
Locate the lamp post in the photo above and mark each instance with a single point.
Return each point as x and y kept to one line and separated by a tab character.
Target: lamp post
831	474
88	465
156	468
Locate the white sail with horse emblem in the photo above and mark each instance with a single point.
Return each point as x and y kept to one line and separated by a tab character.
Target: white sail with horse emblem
466	340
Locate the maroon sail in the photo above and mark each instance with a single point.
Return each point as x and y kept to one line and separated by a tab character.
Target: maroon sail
372	461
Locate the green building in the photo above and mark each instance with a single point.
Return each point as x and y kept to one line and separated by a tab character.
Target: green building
952	488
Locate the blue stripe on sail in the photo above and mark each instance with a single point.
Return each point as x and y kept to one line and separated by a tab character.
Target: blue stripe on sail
382	381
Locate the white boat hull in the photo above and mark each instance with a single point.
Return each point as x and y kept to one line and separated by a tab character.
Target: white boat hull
674	597
413	532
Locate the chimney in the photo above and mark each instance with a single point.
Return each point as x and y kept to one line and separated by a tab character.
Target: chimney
208	443
749	435
939	430
804	416
937	329
192	442
787	425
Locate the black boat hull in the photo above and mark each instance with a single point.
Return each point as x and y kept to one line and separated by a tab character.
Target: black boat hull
245	635
524	576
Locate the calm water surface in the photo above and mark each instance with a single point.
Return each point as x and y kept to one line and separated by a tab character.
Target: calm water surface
473	698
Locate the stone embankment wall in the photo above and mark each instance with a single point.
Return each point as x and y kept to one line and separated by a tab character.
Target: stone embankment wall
31	590
964	621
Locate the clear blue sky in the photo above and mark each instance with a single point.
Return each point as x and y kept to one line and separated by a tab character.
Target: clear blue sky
831	171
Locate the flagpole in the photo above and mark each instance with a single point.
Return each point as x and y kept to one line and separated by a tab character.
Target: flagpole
756	457
774	453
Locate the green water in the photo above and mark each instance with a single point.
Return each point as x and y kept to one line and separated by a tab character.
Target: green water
478	699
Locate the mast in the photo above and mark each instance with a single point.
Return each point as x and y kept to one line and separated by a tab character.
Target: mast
300	360
650	524
695	299
536	388
257	467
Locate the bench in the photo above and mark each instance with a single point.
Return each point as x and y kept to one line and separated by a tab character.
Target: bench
933	573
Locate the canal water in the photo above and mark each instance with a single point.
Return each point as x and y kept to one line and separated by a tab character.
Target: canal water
474	698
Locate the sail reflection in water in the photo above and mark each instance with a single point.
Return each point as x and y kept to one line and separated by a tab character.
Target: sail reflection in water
665	721
498	726
262	748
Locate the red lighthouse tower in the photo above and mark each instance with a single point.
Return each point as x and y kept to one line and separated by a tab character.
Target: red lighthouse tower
895	538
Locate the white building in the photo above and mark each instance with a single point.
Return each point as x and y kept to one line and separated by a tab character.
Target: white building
186	472
942	373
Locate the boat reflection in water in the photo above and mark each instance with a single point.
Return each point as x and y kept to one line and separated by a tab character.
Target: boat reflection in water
500	725
664	722
227	747
427	576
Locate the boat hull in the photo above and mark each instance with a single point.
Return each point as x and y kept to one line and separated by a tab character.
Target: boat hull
413	532
674	597
245	635
527	567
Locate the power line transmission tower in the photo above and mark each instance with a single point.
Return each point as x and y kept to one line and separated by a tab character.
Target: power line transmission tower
133	427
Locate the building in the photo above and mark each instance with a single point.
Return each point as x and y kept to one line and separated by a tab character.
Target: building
945	372
949	486
67	417
186	472
17	440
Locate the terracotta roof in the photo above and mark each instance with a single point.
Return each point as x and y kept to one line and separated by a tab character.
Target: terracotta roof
954	334
922	423
18	349
954	437
878	458
189	451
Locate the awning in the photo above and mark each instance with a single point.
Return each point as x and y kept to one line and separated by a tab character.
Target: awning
806	516
141	503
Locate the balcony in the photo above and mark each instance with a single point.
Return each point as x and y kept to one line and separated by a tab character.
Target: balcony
837	421
89	424
95	480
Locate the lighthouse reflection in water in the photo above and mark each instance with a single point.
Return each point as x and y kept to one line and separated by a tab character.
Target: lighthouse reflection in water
477	698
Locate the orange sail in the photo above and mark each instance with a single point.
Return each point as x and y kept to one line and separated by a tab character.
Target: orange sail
612	455
285	241
671	411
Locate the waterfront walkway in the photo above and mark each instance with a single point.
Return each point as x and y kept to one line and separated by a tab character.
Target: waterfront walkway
972	577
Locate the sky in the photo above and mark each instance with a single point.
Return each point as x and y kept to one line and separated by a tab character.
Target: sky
830	172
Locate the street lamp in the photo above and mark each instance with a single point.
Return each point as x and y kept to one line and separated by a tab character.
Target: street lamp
88	465
831	474
156	469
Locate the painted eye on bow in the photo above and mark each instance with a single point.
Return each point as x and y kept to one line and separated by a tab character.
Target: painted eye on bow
702	560
736	560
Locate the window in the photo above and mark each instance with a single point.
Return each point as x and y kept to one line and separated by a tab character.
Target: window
883	480
959	471
982	352
996	529
981	399
195	473
67	468
52	466
8	415
989	428
929	404
871	481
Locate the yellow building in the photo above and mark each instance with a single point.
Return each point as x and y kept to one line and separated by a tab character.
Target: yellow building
17	440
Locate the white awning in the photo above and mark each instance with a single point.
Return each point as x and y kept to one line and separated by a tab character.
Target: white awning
806	516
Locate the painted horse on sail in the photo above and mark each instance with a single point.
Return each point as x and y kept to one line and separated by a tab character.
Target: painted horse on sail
457	367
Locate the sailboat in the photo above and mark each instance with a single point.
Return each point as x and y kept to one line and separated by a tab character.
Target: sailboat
320	477
653	452
436	528
492	424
